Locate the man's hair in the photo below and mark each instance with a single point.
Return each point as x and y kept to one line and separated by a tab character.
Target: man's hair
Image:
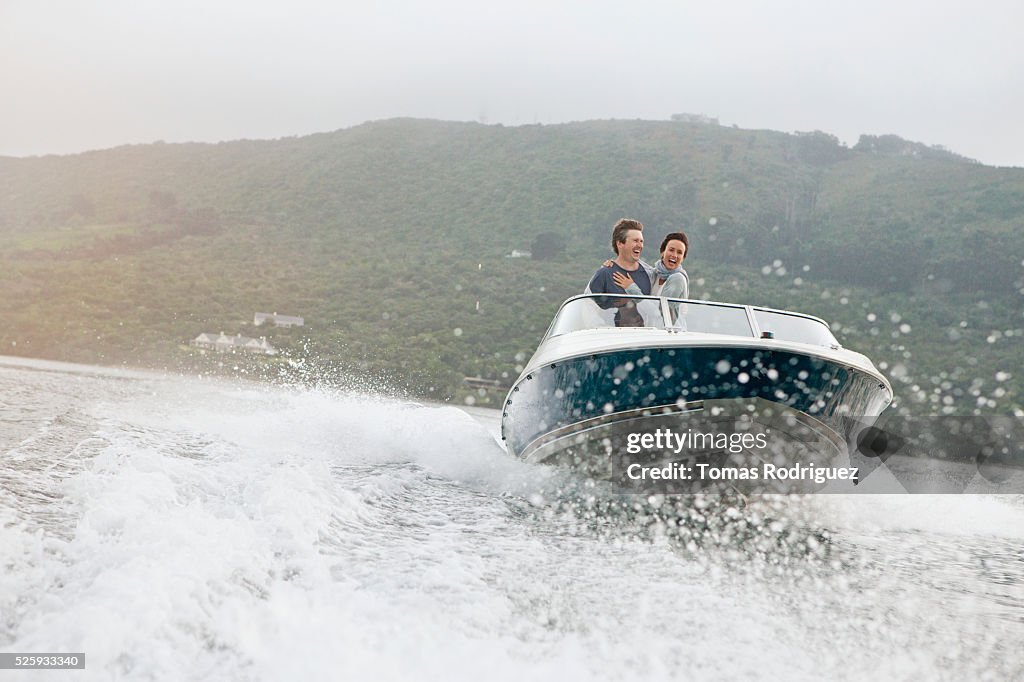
680	236
621	228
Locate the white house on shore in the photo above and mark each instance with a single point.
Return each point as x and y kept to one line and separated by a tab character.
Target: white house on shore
277	320
238	343
695	118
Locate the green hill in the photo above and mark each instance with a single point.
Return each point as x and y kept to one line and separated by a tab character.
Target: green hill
385	236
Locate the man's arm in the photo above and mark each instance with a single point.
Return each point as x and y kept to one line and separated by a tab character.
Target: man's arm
600	282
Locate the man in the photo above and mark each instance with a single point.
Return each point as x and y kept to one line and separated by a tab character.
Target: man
628	243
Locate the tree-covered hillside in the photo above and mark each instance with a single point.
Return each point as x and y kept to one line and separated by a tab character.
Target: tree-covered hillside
385	236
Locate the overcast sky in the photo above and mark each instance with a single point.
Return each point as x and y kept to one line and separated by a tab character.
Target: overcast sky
88	74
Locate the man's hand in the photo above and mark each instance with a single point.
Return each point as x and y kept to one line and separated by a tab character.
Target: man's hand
622	280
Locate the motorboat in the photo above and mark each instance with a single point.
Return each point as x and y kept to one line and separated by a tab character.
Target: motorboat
614	372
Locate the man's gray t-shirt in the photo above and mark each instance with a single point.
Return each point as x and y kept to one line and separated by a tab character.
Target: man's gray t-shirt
602	282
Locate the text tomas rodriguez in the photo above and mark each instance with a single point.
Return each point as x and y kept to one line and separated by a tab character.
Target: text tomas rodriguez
767	472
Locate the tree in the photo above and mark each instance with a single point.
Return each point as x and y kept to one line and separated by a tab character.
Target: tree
162	205
83	206
817	148
547	246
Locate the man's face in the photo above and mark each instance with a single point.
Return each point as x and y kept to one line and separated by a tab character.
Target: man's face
630	249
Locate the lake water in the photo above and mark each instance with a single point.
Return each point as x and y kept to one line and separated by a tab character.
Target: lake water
180	528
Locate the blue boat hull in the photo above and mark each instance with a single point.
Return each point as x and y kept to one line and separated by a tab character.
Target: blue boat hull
559	410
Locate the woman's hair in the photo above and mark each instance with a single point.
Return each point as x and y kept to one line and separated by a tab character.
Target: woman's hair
680	236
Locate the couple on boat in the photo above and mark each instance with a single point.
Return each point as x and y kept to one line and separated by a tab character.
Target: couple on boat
627	274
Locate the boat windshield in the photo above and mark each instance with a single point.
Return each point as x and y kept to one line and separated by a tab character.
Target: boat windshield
709	318
601	311
609	311
788	327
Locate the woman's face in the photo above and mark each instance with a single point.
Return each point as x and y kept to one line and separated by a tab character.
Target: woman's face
674	253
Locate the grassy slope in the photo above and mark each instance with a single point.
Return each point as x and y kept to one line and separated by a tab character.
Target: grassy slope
375	235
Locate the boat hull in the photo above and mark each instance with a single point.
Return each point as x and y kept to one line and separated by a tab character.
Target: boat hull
579	411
